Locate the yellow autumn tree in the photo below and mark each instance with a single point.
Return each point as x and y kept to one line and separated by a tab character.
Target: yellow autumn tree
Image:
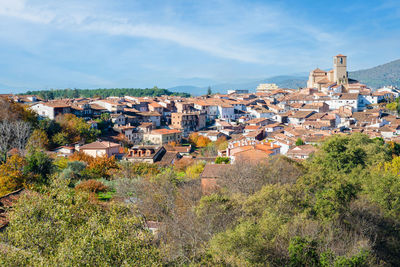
12	174
194	170
193	137
202	141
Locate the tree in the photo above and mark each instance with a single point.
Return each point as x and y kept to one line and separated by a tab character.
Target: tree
249	177
66	228
6	138
105	116
75	93
345	153
76	129
203	141
13	134
209	91
38	140
392	106
195	170
303	252
299	142
12	176
99	167
222	160
60	139
198	140
221	143
51	127
193	137
123	139
73	171
11	111
21	132
384	187
39	164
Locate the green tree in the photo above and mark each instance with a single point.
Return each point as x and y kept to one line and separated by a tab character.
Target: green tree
39	164
393	106
209	91
75	93
222	160
60	139
38	140
105	116
303	252
299	142
62	228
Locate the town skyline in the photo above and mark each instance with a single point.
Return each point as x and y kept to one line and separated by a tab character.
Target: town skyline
99	44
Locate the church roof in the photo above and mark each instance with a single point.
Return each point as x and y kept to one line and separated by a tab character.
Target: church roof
340	55
319	70
323	81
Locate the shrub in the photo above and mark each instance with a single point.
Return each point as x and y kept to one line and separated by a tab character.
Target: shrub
91	185
222	160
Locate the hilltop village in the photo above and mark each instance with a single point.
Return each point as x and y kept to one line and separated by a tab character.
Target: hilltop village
279	177
254	125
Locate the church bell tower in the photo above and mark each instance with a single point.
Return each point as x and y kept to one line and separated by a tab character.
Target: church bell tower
340	69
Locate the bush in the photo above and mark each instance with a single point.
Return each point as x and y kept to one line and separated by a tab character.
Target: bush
92	186
222	160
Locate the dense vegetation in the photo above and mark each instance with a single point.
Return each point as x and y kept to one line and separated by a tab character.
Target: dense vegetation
338	208
379	76
75	93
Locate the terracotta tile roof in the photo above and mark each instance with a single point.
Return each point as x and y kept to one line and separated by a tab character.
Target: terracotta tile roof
165	131
57	104
169	158
349	96
181	149
302	150
252	127
318	70
99	145
301	114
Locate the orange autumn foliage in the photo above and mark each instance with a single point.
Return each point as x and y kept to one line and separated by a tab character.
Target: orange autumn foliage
203	141
172	143
92	186
199	140
100	166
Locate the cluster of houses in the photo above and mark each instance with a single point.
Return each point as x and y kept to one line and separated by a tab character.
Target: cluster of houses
256	125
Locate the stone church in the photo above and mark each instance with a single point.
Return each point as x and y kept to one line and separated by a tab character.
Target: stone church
338	75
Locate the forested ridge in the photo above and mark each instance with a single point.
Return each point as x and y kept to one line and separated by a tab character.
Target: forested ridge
379	76
119	92
340	207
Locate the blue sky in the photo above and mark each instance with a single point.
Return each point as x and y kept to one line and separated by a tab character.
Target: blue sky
128	43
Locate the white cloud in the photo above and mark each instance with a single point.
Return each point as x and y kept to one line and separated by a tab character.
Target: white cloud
19	9
225	40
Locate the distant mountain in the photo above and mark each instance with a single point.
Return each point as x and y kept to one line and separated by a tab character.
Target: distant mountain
281	81
190	89
198	82
379	76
